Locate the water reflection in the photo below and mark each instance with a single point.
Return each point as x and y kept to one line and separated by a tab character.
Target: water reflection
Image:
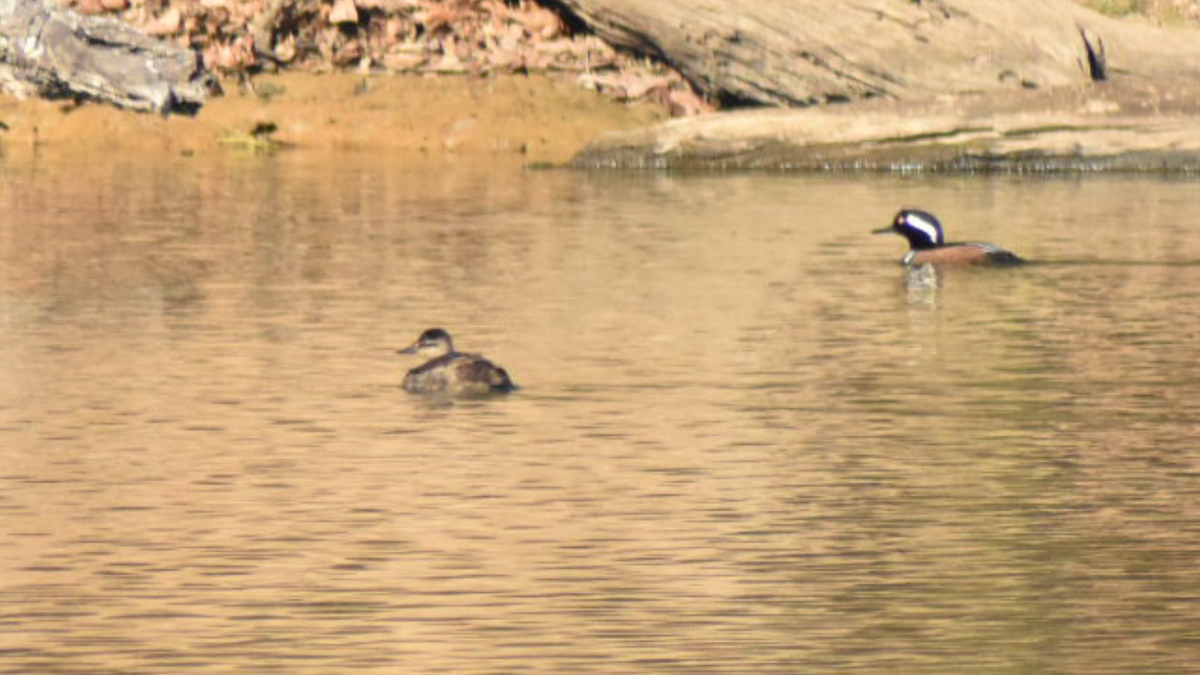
745	440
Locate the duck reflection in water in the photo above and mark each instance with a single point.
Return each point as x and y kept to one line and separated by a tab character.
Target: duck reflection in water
922	284
452	372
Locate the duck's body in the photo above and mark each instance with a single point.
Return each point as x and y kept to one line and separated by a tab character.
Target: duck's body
452	372
927	244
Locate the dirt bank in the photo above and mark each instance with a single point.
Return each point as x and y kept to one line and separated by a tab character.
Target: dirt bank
522	119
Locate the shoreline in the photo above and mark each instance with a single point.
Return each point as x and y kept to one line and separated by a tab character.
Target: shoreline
517	119
1127	124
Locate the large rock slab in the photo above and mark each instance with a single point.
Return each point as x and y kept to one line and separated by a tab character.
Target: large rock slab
1124	124
798	52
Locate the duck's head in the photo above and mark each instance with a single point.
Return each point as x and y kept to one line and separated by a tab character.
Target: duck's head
920	228
432	343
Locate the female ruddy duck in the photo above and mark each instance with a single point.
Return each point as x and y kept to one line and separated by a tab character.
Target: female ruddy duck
451	372
928	244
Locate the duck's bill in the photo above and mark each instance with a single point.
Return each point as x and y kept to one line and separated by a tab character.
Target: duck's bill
411	349
883	230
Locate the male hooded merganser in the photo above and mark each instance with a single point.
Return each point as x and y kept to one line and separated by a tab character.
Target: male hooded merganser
451	372
928	244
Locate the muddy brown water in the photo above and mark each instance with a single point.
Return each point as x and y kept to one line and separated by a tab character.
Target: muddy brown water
745	440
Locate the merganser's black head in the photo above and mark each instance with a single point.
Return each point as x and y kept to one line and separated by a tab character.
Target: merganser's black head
920	228
432	343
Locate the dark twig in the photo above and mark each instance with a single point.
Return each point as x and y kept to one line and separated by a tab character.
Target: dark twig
1097	62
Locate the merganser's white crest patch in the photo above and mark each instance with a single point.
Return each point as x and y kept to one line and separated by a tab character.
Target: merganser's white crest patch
917	222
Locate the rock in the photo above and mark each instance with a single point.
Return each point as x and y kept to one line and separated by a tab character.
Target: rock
1127	124
803	52
57	53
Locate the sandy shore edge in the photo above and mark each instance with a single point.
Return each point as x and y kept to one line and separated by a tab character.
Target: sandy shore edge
517	119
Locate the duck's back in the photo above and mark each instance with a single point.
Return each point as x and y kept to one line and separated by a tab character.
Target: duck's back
964	253
479	372
458	373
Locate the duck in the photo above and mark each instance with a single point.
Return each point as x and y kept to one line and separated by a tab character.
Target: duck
927	243
451	372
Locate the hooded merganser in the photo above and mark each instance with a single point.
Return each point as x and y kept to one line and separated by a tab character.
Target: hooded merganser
451	372
928	244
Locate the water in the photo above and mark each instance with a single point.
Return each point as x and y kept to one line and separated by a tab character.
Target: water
745	442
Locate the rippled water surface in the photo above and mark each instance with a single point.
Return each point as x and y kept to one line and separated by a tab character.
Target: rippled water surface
744	441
